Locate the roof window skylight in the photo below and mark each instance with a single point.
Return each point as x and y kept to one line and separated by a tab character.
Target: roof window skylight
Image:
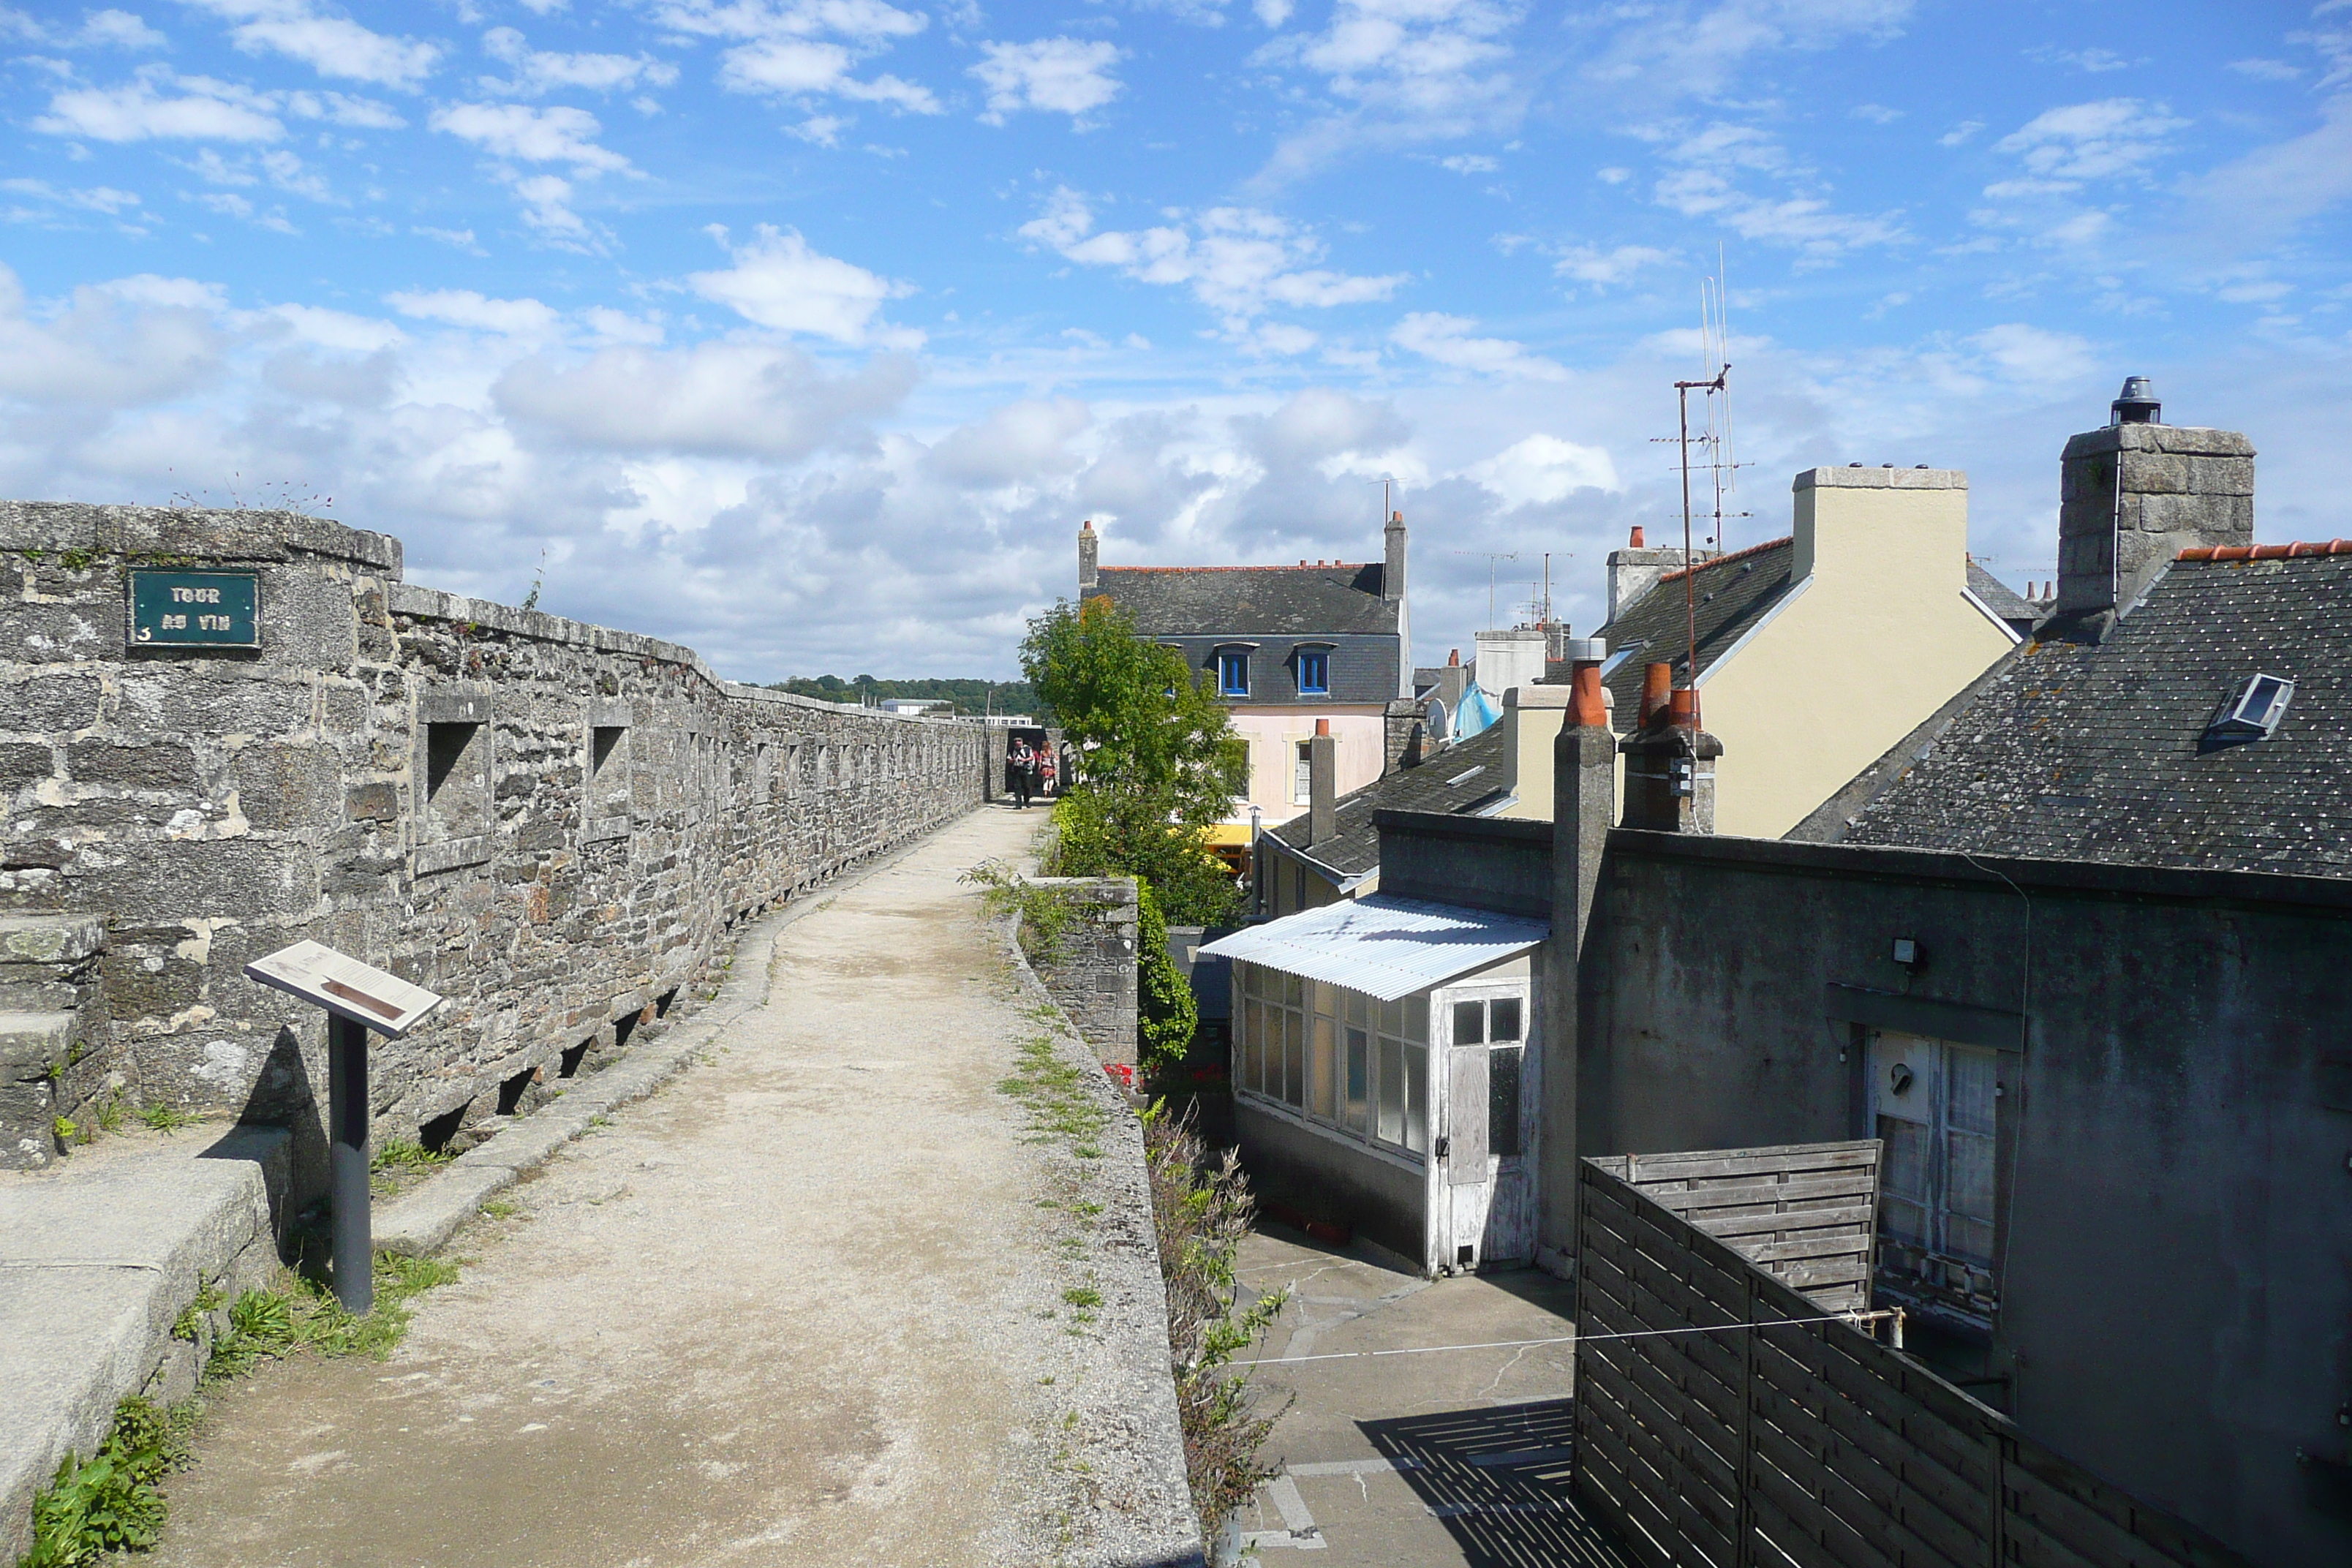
2254	714
1473	773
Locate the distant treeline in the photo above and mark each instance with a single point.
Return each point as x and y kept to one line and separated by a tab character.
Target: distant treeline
968	696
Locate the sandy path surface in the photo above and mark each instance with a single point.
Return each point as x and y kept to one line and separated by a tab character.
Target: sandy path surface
794	1308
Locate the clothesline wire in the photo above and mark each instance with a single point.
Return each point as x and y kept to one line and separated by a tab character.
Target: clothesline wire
1855	1317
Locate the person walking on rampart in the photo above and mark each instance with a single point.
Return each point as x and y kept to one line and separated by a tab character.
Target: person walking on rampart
1025	772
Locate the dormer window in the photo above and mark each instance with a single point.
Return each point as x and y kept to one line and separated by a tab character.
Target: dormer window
2254	714
1314	671
1232	672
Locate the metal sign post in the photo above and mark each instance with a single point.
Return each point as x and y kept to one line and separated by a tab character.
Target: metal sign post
358	997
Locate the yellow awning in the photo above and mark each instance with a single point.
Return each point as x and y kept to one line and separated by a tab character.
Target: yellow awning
1226	835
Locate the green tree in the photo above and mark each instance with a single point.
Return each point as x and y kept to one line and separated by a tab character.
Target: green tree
1158	759
1166	1012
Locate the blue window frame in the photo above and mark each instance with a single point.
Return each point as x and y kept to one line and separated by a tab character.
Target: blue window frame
1232	673
1314	672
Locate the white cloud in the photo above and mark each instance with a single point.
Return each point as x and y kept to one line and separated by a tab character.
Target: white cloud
1469	163
1060	75
1698	49
1716	164
337	330
1238	261
2115	138
2273	190
465	308
115	29
96	198
765	400
536	72
1022	441
516	130
1877	113
1958	136
804	48
778	281
1446	339
2267	70
1597	269
124	344
1399	72
2034	357
1540	470
330	45
159	106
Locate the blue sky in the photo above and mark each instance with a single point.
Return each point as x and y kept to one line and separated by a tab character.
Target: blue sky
807	333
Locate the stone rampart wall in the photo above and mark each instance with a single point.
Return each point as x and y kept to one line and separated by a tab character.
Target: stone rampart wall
552	824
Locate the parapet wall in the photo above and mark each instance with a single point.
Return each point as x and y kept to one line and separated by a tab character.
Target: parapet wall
552	824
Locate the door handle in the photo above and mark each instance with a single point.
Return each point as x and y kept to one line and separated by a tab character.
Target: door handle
1442	1145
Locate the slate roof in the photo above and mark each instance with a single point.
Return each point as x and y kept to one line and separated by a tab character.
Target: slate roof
1250	601
1732	592
1438	784
2095	750
2002	600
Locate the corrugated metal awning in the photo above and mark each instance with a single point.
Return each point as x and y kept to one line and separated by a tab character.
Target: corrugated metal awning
1385	947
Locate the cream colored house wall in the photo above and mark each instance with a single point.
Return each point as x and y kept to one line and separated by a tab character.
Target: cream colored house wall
1878	633
1360	737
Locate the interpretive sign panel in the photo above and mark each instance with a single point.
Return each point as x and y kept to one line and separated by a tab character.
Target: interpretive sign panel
345	986
196	609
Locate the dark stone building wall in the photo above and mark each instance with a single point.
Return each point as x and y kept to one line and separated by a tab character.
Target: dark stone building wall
554	825
2174	1258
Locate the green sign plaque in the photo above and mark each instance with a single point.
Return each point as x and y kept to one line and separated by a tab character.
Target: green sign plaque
196	609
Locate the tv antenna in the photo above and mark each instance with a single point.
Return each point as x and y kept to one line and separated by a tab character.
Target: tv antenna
1714	349
1494	560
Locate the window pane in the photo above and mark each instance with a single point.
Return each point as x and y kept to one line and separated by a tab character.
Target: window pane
1469	1023
1292	992
1968	1089
1503	1099
1294	1057
1416	1018
1318	1079
1360	1009
1968	1188
1359	1082
1392	1127
1503	1018
1252	1066
1302	776
1903	1180
1416	1099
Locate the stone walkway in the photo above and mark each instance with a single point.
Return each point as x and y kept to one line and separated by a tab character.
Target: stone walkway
800	1306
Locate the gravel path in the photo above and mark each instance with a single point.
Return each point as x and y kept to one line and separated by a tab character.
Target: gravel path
805	1305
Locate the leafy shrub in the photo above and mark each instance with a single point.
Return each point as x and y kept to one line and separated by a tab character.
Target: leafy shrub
1166	1012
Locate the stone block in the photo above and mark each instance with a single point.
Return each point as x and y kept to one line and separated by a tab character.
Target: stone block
24	763
213	877
50	704
213	702
147	976
159	766
373	802
280	785
50	938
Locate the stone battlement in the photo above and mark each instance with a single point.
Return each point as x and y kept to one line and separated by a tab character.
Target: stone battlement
552	824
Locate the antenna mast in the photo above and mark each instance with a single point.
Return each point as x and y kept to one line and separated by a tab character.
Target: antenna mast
1715	346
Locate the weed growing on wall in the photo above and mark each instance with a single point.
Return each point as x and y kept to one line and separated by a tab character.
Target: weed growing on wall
108	1502
1201	1210
1044	915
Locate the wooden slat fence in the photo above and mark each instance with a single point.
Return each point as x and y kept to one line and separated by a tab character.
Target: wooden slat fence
1807	1213
1802	1443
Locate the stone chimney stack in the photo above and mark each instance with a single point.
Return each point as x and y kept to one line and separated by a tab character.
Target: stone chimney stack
1089	558
1532	717
1670	763
2135	494
1322	785
1393	575
1632	570
1585	803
